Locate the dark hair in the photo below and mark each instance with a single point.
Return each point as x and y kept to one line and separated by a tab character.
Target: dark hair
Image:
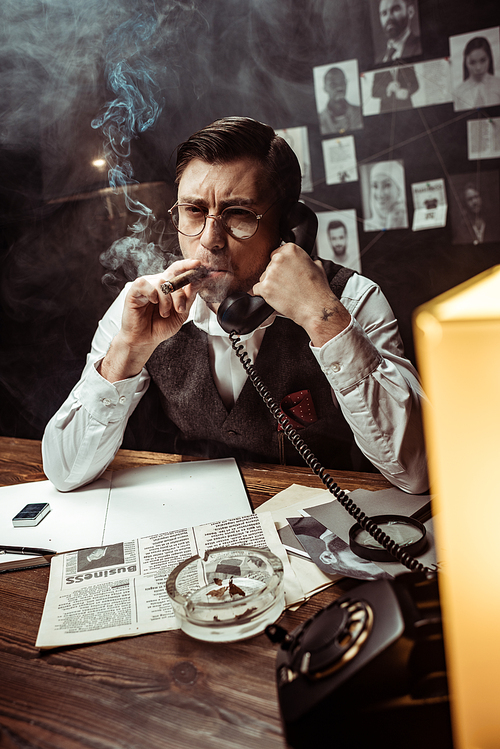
406	2
478	42
234	138
336	225
470	186
331	71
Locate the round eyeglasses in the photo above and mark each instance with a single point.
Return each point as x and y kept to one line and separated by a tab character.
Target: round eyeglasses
239	222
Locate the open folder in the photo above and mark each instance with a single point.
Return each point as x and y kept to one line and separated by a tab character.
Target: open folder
130	503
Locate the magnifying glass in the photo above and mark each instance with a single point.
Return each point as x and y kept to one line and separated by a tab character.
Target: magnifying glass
408	533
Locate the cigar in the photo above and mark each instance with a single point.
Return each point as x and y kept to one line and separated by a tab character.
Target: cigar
183	279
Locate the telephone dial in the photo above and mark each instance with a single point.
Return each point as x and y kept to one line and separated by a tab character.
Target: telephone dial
367	671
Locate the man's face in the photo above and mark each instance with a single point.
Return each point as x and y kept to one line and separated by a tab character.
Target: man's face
335	85
338	241
234	265
473	200
395	16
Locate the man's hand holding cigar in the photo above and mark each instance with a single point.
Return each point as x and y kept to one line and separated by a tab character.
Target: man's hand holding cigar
155	309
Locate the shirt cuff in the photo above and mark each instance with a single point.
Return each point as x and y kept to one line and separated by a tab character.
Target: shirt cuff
106	401
348	357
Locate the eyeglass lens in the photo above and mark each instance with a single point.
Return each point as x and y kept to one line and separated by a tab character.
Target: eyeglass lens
239	222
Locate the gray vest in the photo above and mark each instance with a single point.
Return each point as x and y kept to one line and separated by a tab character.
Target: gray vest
199	424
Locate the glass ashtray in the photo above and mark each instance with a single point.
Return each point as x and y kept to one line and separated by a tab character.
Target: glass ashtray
230	594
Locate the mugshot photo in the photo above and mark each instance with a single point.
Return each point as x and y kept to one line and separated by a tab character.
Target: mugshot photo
395	29
383	194
338	238
474	200
336	87
475	69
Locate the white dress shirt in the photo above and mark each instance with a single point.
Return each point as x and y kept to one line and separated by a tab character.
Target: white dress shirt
376	388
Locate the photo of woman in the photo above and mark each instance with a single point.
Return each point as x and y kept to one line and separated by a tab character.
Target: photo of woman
384	196
480	86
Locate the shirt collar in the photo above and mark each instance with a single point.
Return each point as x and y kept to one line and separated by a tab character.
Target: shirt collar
204	319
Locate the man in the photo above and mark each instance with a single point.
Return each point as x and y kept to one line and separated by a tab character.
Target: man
337	234
474	226
395	20
339	115
236	182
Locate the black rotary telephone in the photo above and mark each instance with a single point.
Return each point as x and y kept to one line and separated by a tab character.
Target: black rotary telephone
242	313
369	670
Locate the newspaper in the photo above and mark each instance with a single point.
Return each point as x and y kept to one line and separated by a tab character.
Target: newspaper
119	590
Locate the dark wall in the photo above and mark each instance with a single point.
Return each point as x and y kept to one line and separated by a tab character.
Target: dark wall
198	61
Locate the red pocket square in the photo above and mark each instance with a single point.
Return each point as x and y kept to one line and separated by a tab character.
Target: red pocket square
299	408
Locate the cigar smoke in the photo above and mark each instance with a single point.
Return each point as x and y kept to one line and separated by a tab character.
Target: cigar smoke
147	75
135	108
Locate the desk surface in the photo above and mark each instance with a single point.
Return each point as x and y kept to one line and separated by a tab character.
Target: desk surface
162	690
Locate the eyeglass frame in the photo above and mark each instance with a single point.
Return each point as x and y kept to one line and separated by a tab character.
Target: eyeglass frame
258	216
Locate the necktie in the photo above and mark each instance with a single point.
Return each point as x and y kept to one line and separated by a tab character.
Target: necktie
391	51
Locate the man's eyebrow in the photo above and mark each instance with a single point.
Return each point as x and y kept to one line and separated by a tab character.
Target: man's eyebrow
227	203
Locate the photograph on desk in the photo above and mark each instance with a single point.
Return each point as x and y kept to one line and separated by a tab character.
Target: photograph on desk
388	503
330	553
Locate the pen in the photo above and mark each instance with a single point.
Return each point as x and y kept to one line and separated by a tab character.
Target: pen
187	277
28	551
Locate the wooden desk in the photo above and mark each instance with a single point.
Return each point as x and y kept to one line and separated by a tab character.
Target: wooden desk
156	691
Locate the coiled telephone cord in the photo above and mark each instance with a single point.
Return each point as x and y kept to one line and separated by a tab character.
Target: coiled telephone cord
308	456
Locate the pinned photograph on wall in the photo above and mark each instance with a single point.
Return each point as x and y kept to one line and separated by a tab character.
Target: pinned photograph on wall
338	100
339	155
406	87
473	203
475	69
389	90
383	195
395	29
337	238
430	204
297	139
483	138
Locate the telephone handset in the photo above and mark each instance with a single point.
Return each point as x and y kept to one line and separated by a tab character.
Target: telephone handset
242	313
